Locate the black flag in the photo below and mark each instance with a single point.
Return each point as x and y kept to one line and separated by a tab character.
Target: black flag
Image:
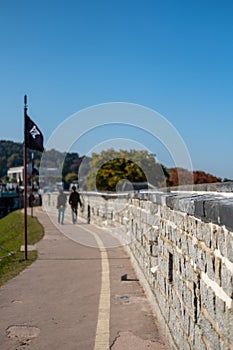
34	137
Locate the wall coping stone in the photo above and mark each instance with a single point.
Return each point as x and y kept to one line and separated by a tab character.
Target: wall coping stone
208	207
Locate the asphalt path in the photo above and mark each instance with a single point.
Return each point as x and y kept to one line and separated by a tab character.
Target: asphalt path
73	298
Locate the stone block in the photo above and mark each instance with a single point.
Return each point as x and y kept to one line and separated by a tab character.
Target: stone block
145	217
211	211
227	280
200	225
161	282
198	339
188	272
203	294
184	244
229	246
226	215
177	305
201	259
172	318
224	345
178	238
171	200
206	234
218	267
211	304
186	224
153	209
184	343
221	317
214	237
210	259
230	324
148	249
155	249
193	227
153	220
224	320
159	198
170	232
221	241
154	261
155	232
192	249
188	299
199	210
209	333
191	330
186	322
178	219
182	339
187	206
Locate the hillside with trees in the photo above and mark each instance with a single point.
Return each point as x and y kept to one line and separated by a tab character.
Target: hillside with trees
11	155
102	171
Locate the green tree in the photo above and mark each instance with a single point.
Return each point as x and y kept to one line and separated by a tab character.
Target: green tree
3	166
71	177
71	161
110	166
13	160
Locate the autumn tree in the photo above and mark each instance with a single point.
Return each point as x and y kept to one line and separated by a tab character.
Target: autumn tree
179	176
201	177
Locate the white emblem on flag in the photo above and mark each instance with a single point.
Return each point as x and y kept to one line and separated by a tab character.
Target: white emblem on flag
34	132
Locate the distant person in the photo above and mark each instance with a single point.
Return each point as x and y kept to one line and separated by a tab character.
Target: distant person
31	200
74	200
61	205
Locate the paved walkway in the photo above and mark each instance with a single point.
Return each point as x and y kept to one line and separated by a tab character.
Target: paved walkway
72	297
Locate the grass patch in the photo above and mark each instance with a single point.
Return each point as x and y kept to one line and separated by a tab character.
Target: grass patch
12	260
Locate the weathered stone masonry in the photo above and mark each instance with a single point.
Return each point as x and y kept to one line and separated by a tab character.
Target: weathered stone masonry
183	245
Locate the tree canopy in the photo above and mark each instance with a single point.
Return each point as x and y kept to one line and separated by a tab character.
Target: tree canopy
110	166
179	176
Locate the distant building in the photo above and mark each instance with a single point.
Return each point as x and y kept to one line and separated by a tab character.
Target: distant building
16	173
49	171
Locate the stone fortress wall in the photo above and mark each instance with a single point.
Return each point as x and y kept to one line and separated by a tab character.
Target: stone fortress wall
182	246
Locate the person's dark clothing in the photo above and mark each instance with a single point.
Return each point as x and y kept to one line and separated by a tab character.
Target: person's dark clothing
74	200
31	199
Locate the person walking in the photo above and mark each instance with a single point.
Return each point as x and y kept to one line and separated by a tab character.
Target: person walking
61	205
74	200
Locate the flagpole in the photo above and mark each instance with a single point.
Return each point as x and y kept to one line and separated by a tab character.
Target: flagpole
25	180
32	190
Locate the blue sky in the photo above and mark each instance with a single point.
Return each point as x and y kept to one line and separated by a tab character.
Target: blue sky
171	56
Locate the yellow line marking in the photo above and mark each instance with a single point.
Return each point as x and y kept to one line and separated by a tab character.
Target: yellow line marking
102	337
